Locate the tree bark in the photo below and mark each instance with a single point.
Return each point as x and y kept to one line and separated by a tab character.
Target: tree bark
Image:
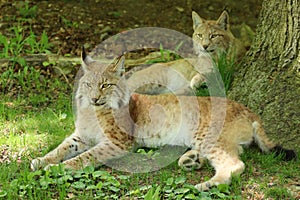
268	80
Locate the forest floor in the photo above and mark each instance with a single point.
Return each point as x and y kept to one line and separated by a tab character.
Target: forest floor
72	24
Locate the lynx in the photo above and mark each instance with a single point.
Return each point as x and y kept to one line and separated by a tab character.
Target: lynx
181	77
98	137
215	36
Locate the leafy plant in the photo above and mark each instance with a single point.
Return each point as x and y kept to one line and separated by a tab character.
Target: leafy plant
18	75
35	46
27	11
4	44
153	194
69	23
19	44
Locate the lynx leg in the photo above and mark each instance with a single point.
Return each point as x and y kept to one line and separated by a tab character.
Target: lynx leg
191	160
95	156
225	166
69	148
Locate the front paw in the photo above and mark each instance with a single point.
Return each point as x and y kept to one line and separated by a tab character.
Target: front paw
203	186
36	164
197	81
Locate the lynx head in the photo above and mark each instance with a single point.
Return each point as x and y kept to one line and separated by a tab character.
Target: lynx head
213	35
101	85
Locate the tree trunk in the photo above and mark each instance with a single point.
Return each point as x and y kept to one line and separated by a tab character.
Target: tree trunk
268	80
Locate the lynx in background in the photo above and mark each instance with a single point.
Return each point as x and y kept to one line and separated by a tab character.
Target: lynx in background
216	38
98	137
180	77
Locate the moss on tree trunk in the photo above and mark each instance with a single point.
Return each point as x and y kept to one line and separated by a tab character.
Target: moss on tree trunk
268	80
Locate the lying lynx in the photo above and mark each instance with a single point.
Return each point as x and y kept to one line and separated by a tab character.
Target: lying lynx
216	37
98	136
181	77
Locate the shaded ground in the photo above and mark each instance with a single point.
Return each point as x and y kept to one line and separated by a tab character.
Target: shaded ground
71	24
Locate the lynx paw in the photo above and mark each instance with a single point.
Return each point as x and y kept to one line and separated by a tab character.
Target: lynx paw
197	81
203	186
36	164
190	160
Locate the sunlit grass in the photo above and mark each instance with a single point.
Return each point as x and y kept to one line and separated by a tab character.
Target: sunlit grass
23	126
38	130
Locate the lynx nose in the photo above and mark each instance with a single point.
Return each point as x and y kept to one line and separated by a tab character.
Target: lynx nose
205	46
94	100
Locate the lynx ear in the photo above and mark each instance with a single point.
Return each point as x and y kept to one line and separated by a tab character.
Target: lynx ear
223	20
120	66
86	60
197	20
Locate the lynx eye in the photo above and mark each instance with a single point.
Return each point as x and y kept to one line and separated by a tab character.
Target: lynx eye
212	36
105	85
199	35
87	84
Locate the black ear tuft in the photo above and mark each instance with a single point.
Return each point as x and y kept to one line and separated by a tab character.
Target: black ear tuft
287	154
83	53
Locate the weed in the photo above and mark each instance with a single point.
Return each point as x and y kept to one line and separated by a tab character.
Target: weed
115	14
4	44
27	11
69	23
166	55
20	44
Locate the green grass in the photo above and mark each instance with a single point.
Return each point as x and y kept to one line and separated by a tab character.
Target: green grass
169	183
36	115
39	127
27	11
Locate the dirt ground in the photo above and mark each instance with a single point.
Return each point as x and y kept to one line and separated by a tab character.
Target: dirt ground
71	24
